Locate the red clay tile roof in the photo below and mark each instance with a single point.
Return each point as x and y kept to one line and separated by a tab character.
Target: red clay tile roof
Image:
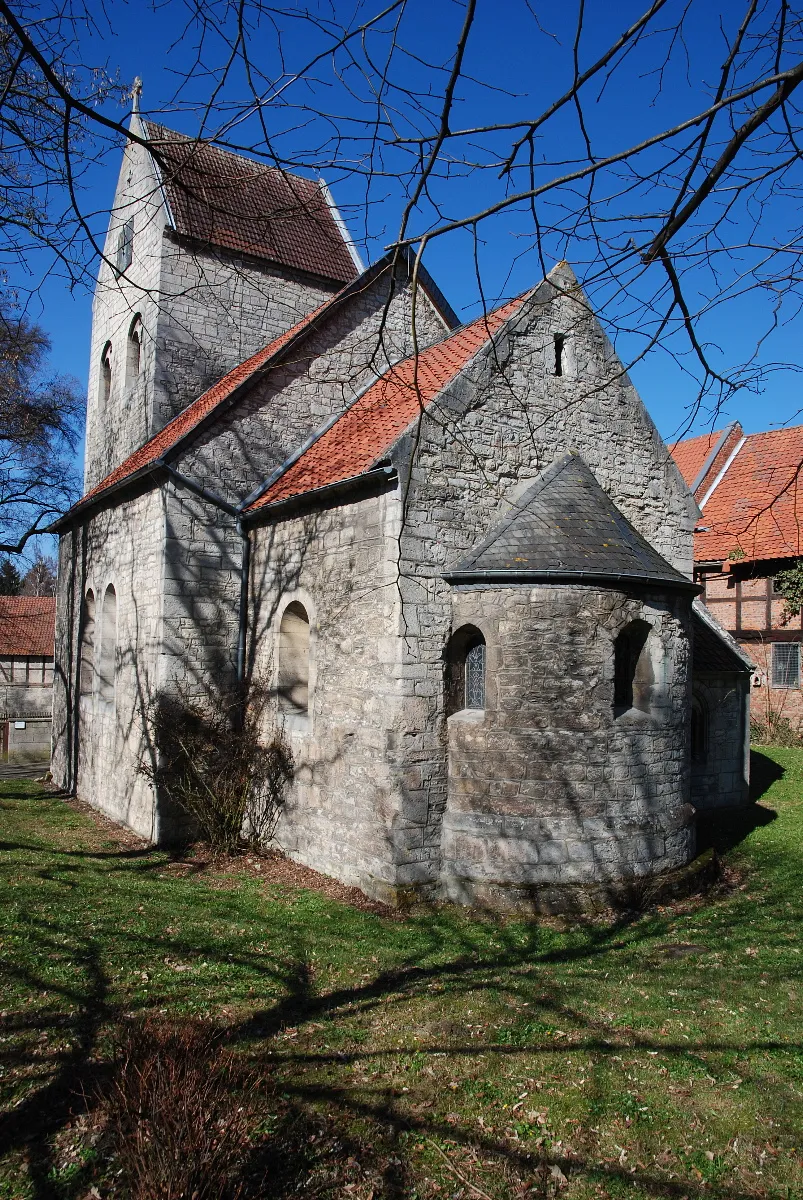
199	410
756	510
377	418
27	625
231	201
691	453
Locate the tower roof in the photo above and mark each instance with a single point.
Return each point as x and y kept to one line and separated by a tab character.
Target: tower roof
566	527
227	200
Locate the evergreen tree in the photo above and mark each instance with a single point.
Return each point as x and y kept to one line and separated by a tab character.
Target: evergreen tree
10	579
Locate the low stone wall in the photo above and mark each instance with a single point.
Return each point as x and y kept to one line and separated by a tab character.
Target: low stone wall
27	739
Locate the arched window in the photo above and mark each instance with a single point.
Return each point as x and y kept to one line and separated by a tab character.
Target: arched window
105	376
108	646
125	246
294	660
133	361
632	669
87	670
465	670
699	730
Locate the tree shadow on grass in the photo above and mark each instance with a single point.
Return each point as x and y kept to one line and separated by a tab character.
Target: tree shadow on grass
324	1128
723	829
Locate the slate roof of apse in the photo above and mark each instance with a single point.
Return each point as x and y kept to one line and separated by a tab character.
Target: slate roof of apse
566	526
227	200
200	409
713	648
756	510
27	625
366	431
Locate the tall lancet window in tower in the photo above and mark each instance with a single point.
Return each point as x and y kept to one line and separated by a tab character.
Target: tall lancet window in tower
105	388
133	362
125	246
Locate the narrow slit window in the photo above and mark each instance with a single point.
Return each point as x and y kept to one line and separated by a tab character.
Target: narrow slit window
475	675
108	646
105	375
465	661
87	674
134	350
560	346
125	246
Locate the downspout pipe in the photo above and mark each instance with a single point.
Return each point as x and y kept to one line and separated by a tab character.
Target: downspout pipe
242	630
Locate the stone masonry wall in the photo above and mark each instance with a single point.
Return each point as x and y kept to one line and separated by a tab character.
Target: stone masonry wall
345	813
722	777
548	789
203	547
489	434
217	309
203	312
99	744
332	366
116	430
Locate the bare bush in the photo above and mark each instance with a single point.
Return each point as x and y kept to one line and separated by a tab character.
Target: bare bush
179	1113
214	763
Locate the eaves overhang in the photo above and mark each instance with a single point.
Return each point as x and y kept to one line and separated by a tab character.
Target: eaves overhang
516	578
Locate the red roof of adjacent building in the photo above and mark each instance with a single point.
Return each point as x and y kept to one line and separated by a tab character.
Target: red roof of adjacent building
227	200
27	625
368	428
756	509
691	453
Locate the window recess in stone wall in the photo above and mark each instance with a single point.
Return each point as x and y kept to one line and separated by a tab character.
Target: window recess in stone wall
699	730
87	668
786	664
125	246
133	362
108	646
294	650
559	341
465	671
632	670
105	387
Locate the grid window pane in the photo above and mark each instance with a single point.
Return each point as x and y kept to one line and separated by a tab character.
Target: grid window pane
786	664
475	676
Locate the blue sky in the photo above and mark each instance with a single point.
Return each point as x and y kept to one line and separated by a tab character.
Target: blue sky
505	49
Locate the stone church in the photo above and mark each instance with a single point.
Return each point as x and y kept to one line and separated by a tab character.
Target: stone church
460	555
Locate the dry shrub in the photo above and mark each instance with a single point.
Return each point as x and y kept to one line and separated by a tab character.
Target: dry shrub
775	730
215	765
179	1113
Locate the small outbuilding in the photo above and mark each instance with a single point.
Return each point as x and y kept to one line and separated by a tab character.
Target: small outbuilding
27	636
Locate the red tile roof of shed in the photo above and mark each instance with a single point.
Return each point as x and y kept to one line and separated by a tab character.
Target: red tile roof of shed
227	200
377	418
199	410
756	509
27	625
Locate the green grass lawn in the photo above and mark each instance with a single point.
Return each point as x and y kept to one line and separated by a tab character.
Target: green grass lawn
438	1055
